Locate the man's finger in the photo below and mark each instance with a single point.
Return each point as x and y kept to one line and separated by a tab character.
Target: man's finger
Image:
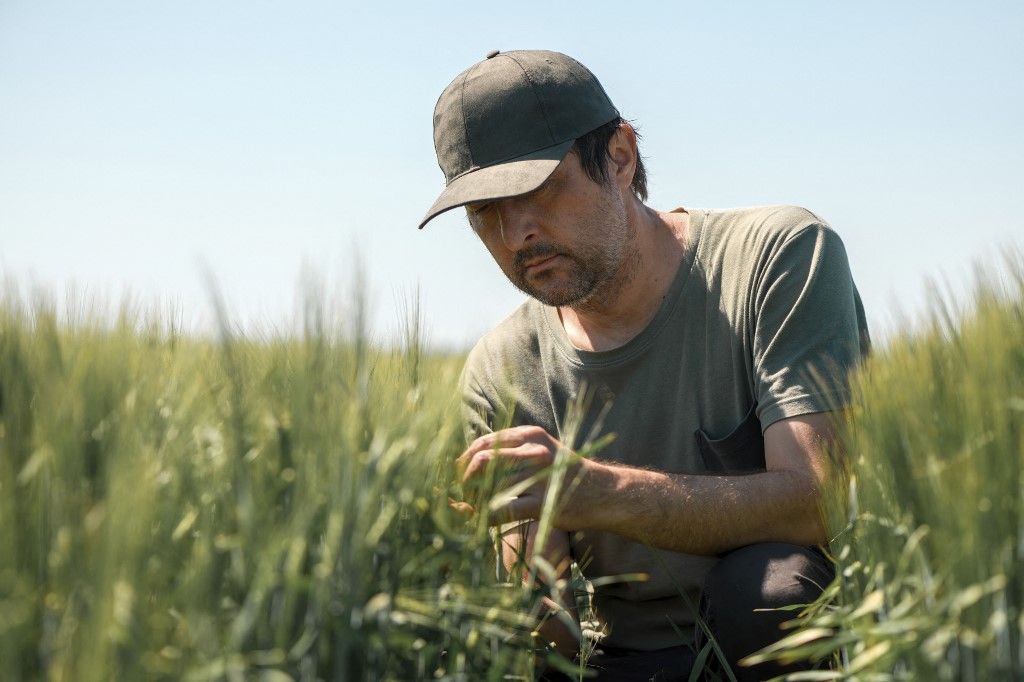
505	438
463	461
513	459
516	509
476	465
514	437
461	507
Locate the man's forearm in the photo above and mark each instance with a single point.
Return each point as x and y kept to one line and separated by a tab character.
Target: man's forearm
701	514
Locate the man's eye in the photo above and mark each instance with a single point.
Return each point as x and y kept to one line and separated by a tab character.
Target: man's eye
477	209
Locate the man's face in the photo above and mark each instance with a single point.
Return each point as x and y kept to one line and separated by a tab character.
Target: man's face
563	242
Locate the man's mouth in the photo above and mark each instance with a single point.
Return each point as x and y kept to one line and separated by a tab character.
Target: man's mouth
540	263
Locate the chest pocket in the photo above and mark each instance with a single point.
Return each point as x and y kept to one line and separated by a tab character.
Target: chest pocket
740	451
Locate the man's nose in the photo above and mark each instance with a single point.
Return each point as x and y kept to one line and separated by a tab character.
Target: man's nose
518	223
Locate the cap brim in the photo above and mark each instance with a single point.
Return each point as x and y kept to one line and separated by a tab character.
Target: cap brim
510	179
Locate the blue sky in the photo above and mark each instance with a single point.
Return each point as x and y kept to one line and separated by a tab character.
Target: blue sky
140	139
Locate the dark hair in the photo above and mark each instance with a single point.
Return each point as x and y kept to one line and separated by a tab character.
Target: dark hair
592	151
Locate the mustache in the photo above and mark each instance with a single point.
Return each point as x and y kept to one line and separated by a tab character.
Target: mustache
532	253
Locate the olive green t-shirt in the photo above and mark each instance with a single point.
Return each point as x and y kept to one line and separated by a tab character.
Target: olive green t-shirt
762	322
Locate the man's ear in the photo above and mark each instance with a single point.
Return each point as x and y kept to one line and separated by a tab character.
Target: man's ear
622	153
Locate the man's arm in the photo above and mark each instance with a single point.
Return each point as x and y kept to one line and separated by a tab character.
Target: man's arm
702	514
692	513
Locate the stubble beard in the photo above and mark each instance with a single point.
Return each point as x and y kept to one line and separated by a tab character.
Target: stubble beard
597	270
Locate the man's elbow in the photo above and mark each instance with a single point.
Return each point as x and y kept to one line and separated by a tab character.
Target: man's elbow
811	532
812	525
807	524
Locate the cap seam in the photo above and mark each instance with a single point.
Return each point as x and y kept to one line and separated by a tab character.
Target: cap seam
465	124
533	87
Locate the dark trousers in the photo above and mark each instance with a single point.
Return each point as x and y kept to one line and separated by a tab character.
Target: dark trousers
762	576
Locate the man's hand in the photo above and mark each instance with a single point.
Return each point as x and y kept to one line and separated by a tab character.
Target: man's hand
521	454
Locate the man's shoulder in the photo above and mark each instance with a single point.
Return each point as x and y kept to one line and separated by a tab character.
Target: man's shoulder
512	340
755	234
769	220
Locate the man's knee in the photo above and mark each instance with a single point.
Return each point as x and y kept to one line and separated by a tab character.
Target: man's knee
766	576
761	576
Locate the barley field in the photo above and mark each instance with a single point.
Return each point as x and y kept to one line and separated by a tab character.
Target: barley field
929	523
265	506
245	508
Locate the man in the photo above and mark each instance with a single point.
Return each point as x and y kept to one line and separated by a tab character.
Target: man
715	344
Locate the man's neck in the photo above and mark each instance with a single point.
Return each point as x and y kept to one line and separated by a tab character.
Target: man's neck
625	305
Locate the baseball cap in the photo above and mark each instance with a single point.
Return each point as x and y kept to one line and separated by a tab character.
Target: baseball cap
504	124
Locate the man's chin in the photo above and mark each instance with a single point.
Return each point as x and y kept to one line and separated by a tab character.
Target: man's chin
558	298
554	288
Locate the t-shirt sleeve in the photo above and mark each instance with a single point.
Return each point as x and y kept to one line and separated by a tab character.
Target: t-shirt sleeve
807	327
478	410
